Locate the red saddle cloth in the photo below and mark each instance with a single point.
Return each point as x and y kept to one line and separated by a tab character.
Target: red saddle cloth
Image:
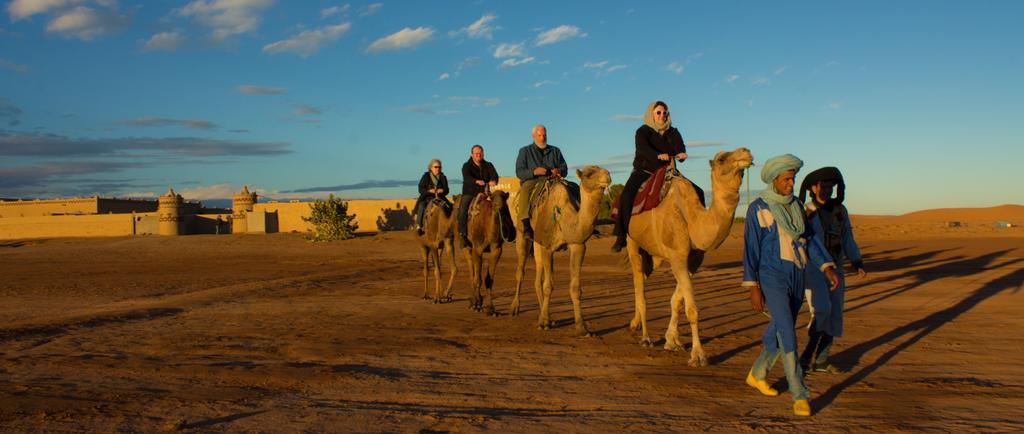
649	195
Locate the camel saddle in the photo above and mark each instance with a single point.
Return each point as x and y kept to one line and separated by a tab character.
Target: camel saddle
570	187
654	189
441	203
482	204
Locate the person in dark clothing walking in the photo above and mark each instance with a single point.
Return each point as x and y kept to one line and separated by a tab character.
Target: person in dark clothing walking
478	175
433	184
536	162
657	143
831	222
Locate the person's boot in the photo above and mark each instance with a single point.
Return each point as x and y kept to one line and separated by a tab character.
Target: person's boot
527	230
761	385
801	407
620	242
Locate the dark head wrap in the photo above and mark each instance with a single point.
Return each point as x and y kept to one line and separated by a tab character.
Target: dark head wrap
828	176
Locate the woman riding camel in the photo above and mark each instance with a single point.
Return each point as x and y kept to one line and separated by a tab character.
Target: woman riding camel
433	184
657	142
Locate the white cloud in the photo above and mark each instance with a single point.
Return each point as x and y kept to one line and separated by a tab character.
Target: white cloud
86	23
834	105
595	65
509	50
587	89
308	42
627	118
832	63
226	17
444	76
559	34
371	9
261	90
476	100
614	68
165	122
405	38
508	63
303	110
216	191
761	81
16	67
163	41
19	9
676	68
750	103
333	10
780	70
481	28
731	78
541	84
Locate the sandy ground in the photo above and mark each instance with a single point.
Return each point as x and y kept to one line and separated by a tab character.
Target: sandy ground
271	333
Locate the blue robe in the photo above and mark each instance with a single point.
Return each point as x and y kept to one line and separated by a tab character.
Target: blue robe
828	305
776	262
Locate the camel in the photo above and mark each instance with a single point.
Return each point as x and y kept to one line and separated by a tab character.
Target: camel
486	213
556	226
438	235
679	230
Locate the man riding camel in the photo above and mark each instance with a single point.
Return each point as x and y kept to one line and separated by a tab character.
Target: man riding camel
537	162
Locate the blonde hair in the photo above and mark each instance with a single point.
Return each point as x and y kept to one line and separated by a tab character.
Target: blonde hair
432	163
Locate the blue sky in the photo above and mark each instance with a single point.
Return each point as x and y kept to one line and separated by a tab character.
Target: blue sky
918	103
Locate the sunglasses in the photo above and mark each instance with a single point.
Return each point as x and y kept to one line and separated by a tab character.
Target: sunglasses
436	167
659	112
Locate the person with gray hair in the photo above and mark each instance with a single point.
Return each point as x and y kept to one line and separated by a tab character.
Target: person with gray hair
433	185
536	162
778	244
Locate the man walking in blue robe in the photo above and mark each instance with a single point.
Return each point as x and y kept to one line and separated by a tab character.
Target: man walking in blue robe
777	245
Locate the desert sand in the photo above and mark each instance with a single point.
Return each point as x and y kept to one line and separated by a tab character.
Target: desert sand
272	333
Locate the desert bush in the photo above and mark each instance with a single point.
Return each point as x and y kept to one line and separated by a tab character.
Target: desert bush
331	220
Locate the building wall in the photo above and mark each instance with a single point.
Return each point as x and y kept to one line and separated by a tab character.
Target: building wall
371	215
39	208
119	206
98	225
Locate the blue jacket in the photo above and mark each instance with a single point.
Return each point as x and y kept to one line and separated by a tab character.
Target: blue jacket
531	157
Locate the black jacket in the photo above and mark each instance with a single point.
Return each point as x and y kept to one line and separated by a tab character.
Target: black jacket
649	144
425	185
471	173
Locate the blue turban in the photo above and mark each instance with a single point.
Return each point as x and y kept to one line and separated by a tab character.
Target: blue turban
776	165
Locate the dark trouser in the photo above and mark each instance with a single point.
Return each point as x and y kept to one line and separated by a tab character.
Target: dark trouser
418	210
626	199
818	345
464	213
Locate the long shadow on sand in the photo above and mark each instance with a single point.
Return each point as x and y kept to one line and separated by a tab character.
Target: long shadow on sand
940	268
917	330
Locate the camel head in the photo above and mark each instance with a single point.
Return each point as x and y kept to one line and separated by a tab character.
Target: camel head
499	199
728	167
593	178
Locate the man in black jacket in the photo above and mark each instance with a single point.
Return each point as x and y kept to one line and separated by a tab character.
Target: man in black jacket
477	175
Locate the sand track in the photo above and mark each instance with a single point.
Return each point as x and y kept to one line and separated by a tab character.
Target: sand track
273	333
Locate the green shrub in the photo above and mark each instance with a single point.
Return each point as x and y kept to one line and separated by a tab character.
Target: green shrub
331	220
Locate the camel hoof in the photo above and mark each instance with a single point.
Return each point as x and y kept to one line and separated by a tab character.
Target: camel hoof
646	343
673	345
698	362
584	333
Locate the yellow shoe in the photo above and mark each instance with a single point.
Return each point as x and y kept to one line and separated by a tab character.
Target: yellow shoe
761	385
801	407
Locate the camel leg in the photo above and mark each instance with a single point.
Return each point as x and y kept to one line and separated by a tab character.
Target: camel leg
576	254
453	269
425	253
522	254
436	254
549	272
684	282
640	300
475	298
540	253
489	280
